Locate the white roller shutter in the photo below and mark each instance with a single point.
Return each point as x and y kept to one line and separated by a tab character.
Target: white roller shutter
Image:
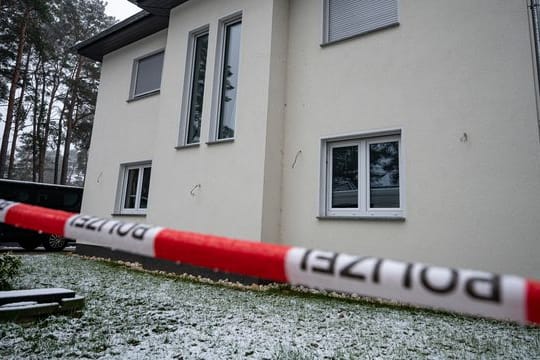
346	18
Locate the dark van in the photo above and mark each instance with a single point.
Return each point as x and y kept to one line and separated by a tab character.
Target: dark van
60	197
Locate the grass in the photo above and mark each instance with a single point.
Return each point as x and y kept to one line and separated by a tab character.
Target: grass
138	315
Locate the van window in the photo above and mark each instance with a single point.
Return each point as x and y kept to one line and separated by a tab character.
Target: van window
71	199
23	196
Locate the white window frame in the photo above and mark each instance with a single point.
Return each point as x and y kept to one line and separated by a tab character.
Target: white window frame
188	85
218	77
135	71
120	202
363	211
325	40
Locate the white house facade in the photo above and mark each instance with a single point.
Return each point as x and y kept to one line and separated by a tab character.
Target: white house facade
403	129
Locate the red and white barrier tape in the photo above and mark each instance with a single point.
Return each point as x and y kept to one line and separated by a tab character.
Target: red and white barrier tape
471	292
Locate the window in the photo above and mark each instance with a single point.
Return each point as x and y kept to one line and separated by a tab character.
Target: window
347	18
363	176
190	128
135	184
223	124
146	78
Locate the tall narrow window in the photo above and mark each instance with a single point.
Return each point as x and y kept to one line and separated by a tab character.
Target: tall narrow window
197	89
226	83
229	81
192	108
135	186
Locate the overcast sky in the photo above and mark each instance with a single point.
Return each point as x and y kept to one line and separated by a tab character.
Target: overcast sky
121	9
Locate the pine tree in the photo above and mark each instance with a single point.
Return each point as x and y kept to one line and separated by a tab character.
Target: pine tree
49	91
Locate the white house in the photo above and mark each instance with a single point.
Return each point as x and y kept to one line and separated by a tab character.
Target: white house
404	129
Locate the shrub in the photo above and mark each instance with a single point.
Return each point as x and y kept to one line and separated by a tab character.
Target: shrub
9	268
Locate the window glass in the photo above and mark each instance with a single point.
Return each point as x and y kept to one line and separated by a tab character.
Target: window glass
148	77
145	188
71	199
384	175
23	196
131	188
43	199
197	89
345	177
7	193
362	177
135	189
51	198
229	81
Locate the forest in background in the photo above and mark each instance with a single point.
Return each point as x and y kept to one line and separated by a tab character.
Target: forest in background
47	91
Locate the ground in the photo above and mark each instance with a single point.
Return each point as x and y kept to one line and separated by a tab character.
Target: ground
137	315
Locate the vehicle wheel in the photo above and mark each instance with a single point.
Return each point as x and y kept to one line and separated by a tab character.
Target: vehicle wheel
29	244
54	243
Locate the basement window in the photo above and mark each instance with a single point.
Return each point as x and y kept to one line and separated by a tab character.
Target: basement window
362	177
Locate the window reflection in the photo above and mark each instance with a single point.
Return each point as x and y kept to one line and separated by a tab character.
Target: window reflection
197	89
384	175
229	81
131	188
148	77
145	188
345	177
70	199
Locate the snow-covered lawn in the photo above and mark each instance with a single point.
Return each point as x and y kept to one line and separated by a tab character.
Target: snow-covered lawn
137	315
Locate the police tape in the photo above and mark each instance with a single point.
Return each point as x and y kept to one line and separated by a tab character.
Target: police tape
503	297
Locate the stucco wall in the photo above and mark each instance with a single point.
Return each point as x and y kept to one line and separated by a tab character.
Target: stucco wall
123	132
451	67
226	178
271	212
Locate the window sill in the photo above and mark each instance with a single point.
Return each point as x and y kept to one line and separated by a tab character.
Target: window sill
221	141
129	215
363	217
328	43
143	96
187	146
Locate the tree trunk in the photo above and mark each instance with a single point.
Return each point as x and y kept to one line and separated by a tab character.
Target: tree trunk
57	164
46	130
18	117
59	143
70	169
67	146
41	139
12	91
70	123
35	126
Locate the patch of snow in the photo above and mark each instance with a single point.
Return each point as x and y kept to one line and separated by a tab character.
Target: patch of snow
34	292
18	304
132	314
